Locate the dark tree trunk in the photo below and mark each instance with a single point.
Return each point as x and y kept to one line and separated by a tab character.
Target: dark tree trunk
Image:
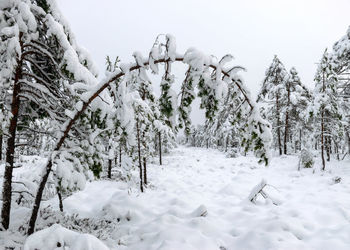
144	170
285	134
160	148
322	142
110	161
10	151
120	155
278	125
0	147
110	168
139	154
328	148
348	135
286	123
323	128
336	150
59	194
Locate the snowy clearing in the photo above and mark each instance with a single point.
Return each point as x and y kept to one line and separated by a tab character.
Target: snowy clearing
199	200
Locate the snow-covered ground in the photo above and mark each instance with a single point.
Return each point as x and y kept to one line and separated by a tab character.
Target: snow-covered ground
199	200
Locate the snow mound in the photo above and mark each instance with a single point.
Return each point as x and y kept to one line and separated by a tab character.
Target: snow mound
58	237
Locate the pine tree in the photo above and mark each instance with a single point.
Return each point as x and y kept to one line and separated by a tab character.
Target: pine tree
327	110
47	62
33	70
296	101
272	94
341	64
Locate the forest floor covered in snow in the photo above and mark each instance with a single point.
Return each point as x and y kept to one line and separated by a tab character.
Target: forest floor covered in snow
198	199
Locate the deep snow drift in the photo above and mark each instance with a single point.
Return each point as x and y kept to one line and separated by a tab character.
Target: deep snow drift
199	199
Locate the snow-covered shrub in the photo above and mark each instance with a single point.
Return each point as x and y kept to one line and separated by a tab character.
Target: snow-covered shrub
100	228
232	153
57	236
306	159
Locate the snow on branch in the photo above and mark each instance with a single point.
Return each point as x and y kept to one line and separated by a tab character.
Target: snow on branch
259	189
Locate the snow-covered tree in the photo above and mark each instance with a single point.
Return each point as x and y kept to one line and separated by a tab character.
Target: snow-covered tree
298	99
46	74
341	64
327	109
187	95
271	95
36	69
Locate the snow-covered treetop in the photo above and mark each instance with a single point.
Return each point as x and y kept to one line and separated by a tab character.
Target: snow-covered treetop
276	76
341	50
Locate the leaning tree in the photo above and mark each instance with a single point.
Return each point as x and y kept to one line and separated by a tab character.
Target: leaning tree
39	62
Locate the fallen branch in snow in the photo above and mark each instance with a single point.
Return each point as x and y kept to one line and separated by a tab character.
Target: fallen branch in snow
201	211
344	156
258	189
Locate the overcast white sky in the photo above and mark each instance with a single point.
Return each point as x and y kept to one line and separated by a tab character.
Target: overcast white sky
253	31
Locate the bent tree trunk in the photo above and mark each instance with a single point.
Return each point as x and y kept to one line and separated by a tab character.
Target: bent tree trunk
38	198
10	151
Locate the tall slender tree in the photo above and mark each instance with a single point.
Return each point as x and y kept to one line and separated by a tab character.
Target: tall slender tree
327	110
272	94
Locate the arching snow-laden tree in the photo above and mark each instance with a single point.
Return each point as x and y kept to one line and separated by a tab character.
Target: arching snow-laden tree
272	92
256	130
327	109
